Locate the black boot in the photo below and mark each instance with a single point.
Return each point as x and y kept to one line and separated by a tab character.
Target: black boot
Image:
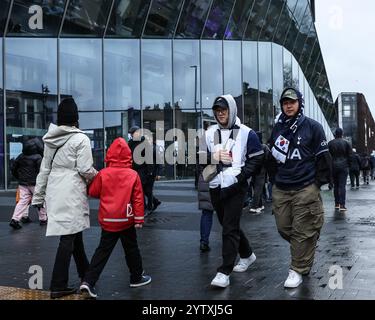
15	224
62	293
26	220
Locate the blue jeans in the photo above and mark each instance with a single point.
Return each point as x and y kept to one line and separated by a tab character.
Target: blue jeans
206	225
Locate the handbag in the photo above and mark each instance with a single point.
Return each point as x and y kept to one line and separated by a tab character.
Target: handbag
209	172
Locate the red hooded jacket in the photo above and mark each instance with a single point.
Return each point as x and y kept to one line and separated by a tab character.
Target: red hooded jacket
119	189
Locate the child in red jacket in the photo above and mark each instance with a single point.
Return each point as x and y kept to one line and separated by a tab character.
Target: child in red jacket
121	211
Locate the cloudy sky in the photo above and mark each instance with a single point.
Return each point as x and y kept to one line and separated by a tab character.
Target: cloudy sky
346	32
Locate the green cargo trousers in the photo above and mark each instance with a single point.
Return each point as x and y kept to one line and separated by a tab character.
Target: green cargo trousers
299	218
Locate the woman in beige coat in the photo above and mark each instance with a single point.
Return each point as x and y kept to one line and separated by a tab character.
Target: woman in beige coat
66	169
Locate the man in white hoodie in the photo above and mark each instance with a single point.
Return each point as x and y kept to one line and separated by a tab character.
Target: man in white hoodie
238	154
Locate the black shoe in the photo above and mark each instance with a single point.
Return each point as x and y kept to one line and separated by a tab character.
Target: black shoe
15	224
62	293
144	280
43	222
204	247
156	204
88	290
26	220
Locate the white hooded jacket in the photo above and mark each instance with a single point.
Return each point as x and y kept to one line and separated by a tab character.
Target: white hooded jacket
244	145
62	183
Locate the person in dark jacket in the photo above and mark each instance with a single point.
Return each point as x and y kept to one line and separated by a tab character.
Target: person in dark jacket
340	151
372	164
354	170
148	172
25	169
365	167
302	164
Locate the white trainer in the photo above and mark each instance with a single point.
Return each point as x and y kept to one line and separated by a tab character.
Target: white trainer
221	280
294	279
244	264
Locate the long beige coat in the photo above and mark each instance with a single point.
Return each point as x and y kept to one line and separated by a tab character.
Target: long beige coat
63	185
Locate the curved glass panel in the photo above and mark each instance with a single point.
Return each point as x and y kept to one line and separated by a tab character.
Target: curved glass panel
277	75
257	19
193	17
232	73
36	18
283	25
291	4
250	83
162	19
295	75
81	72
127	18
186	74
91	123
287	62
122	74
211	71
218	19
238	20
4	10
31	85
266	112
299	11
302	35
86	18
271	21
157	91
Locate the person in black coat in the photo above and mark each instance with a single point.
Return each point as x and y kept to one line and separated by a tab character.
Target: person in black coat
354	170
25	169
148	172
340	151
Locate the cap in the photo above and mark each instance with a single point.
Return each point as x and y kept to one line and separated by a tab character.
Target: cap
289	94
133	129
220	102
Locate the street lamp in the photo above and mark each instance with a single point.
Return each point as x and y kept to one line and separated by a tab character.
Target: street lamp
45	92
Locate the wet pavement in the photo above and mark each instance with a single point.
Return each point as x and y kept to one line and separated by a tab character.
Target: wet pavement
169	245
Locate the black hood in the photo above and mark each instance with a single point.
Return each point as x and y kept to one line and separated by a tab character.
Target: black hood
30	147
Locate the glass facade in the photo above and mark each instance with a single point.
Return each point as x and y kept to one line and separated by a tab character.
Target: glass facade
157	64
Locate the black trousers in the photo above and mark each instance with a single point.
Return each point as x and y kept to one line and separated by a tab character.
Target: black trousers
148	190
339	185
69	245
108	241
354	177
234	240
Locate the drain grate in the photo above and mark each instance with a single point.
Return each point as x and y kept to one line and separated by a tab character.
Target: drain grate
11	293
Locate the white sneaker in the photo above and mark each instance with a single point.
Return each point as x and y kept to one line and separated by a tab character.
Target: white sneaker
294	279
244	264
220	280
255	211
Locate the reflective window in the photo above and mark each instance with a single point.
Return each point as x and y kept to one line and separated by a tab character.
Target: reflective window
36	18
218	19
117	124
277	75
121	74
91	123
291	4
299	11
295	81
287	61
128	18
257	19
238	20
266	111
162	19
186	71
211	71
2	158
283	25
232	73
193	17
31	98
4	9
157	90
271	21
250	83
31	85
303	32
81	72
86	17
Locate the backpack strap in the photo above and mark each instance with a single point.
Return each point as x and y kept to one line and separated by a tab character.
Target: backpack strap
57	149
